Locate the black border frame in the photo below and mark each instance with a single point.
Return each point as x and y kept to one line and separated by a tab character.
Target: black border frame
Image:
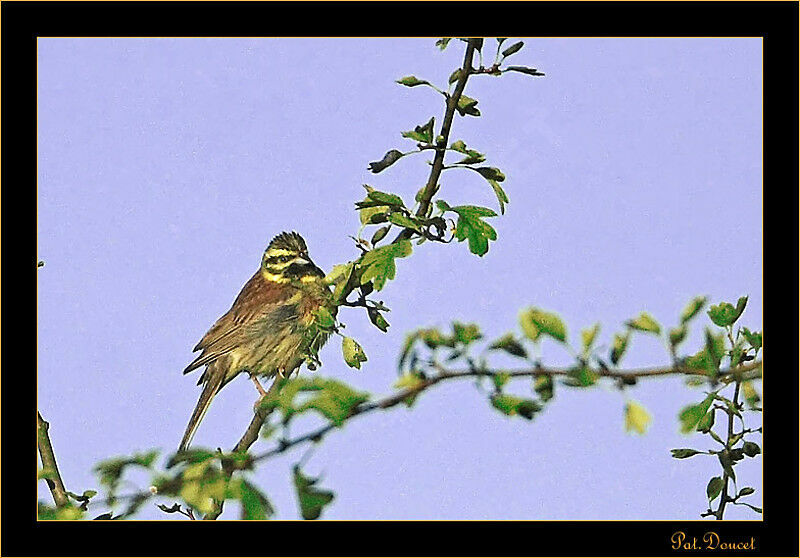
22	22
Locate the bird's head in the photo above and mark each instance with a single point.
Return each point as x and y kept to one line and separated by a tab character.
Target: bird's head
286	260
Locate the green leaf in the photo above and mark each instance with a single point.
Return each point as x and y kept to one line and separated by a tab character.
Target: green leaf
513	48
727	464
340	276
366	214
708	358
353	353
472	156
754	338
411	381
751	449
339	272
588	336
408	344
255	504
378	264
750	394
454	77
379	235
644	322
714	488
443	42
459	146
384	198
725	313
691	310
746	491
706	423
471	227
691	415
543	386
524	70
636	418
467	105
334	400
528	327
111	470
543	322
683	453
619	346
434	338
501	379
510	345
502	197
677	335
402	220
422	133
412	81
581	376
466	333
377	319
312	500
512	405
491	173
324	319
391	157
443	206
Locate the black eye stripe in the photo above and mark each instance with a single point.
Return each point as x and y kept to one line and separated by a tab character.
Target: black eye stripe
280	259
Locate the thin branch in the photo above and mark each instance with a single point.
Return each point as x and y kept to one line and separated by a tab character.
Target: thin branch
747	371
431	185
438	160
725	477
48	457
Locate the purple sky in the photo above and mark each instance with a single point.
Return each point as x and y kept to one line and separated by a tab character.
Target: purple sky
165	166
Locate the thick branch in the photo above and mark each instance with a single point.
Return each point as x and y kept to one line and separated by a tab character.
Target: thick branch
48	457
248	439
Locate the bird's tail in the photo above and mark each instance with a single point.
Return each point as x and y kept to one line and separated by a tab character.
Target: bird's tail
216	379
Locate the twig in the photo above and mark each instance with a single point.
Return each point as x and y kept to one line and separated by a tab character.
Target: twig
438	160
48	457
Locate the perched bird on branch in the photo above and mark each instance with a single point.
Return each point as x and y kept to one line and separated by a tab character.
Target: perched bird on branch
270	329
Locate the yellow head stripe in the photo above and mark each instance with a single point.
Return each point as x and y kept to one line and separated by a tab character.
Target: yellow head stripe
279	266
274	277
280	252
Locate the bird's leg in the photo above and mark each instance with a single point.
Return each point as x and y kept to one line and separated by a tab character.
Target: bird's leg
260	389
264	393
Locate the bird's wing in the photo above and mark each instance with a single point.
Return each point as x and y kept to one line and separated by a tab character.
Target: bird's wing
257	299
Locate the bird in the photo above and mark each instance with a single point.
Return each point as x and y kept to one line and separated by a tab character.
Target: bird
269	330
